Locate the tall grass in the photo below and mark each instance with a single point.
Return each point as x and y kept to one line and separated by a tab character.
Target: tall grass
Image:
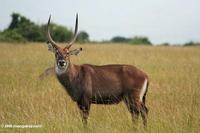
173	97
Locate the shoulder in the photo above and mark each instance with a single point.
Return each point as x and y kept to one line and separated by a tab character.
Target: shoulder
87	68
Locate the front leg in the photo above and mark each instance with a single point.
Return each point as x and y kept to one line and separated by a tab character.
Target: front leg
84	106
84	102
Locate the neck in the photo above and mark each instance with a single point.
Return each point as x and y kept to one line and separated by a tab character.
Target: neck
71	71
68	74
70	80
67	70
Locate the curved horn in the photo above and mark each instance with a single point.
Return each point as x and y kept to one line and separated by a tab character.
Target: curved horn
48	32
75	33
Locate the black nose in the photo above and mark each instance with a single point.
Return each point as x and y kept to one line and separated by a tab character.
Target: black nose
61	62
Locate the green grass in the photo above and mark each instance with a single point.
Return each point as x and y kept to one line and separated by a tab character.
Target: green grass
173	97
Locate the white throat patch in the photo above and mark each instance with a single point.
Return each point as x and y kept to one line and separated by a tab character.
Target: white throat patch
61	71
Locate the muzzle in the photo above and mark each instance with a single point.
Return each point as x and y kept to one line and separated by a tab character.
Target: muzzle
62	63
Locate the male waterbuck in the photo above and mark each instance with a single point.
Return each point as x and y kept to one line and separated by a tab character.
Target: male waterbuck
91	84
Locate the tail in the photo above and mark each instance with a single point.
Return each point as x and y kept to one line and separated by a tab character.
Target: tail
144	98
48	72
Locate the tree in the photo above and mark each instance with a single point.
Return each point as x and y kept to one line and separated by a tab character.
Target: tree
191	43
15	21
61	33
165	44
29	30
83	37
11	36
119	39
22	28
139	40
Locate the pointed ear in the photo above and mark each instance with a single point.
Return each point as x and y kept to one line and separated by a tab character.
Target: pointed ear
75	51
51	47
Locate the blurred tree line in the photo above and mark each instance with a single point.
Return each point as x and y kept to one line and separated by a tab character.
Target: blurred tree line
192	43
134	40
21	29
138	40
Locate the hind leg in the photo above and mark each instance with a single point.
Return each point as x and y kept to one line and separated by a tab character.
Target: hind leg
135	107
144	113
132	107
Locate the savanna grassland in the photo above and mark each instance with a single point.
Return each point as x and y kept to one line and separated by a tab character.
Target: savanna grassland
173	97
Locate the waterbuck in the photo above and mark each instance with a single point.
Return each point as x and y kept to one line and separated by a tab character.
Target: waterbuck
91	84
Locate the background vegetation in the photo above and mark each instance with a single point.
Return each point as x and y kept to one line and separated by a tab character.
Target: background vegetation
22	29
173	97
138	40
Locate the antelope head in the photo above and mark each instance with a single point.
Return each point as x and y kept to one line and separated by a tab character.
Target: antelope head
62	55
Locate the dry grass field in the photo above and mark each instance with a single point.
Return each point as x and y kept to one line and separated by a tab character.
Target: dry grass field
173	97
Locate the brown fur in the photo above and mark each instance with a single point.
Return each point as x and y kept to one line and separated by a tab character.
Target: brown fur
109	84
